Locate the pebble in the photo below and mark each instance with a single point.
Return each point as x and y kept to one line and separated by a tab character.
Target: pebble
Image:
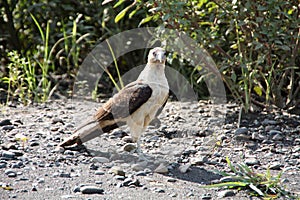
91	190
8	127
10	173
184	168
269	122
276	166
161	169
5	122
206	196
277	137
8	146
100	160
242	130
226	193
65	175
118	177
98	172
251	161
129	147
117	171
8	154
199	160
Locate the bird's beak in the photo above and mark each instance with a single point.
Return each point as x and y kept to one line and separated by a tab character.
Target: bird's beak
160	56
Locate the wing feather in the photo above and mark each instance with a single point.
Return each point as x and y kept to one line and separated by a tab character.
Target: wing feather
125	102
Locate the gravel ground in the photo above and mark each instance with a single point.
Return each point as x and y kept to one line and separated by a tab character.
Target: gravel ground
180	150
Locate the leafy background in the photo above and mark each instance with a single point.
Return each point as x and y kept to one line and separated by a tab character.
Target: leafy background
255	45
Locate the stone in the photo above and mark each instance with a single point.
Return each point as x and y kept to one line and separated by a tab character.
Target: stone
242	130
91	190
251	161
129	147
100	160
117	171
98	172
10	173
199	160
276	166
226	193
5	122
206	196
127	139
161	169
8	154
65	175
8	146
184	168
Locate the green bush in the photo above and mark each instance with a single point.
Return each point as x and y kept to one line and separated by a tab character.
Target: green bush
255	44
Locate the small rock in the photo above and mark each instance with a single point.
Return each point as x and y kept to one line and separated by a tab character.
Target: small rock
226	193
127	139
129	147
57	120
173	195
5	122
10	173
242	130
8	146
161	169
34	144
117	171
199	160
91	190
274	132
98	172
139	173
277	137
100	160
8	154
159	190
2	165
59	149
276	166
252	161
171	180
269	122
118	177
184	168
206	196
8	127
65	175
76	189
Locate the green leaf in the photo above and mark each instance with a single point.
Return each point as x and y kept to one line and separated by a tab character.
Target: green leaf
121	14
119	3
145	20
226	184
258	191
258	90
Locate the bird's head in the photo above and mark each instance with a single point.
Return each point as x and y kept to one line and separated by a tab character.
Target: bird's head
157	55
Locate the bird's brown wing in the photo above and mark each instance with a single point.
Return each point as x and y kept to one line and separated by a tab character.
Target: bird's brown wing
125	102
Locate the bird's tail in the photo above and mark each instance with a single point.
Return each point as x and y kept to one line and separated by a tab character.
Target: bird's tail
86	132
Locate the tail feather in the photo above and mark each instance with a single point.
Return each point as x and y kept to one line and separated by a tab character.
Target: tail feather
88	131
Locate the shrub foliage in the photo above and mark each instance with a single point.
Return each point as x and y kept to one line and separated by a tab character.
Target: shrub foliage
255	44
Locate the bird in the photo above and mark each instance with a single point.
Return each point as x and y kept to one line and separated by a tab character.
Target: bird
136	105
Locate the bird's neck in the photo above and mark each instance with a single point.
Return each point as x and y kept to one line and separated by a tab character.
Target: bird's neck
153	72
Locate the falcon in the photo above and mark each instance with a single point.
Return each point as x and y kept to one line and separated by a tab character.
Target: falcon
136	105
